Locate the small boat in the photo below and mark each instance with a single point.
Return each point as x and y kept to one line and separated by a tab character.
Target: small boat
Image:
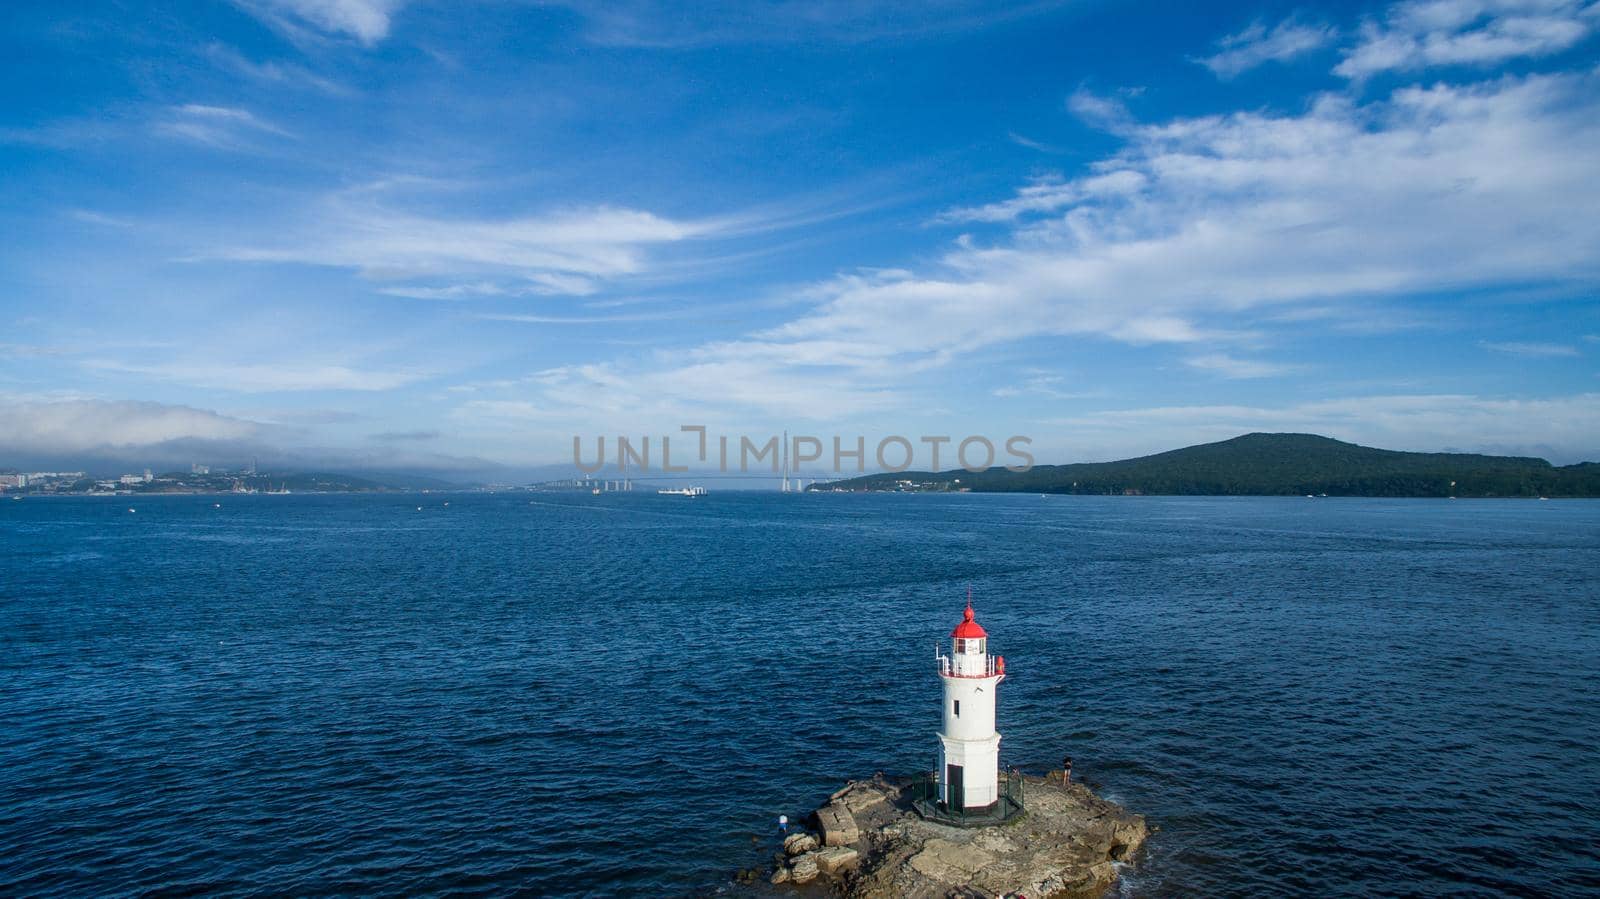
682	491
132	510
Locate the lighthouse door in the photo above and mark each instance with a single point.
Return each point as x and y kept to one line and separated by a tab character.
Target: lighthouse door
955	795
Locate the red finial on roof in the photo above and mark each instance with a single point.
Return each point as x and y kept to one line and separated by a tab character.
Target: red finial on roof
969	627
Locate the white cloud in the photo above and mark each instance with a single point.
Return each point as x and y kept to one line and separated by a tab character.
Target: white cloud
1518	348
1222	215
84	425
1199	224
1423	33
365	20
1238	53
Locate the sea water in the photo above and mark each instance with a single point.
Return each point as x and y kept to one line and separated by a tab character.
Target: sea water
566	694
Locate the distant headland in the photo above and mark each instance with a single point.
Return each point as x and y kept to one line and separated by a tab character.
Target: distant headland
1264	465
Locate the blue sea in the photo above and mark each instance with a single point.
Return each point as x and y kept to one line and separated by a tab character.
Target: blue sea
617	695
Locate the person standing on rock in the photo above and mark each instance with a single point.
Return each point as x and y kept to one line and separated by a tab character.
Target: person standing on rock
1066	770
783	824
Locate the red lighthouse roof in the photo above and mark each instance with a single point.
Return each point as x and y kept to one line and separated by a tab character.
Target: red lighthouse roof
969	628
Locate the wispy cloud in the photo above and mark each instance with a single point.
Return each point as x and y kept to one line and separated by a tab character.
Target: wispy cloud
1109	113
272	72
534	319
367	21
1235	368
1046	384
1518	348
1241	52
1022	140
1423	33
1051	194
223	127
267	378
406	436
648	23
566	251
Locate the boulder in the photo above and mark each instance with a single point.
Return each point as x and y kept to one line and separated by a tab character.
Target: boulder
805	868
836	859
799	844
838	825
781	875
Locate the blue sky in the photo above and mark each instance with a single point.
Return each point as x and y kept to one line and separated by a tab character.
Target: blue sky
449	237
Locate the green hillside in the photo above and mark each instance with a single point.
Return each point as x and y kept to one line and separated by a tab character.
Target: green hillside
1271	465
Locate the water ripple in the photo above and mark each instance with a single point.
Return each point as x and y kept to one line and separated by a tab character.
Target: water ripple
617	695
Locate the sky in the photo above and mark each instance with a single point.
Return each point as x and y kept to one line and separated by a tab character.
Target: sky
450	237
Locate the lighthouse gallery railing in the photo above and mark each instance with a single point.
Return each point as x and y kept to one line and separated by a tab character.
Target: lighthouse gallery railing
929	804
947	668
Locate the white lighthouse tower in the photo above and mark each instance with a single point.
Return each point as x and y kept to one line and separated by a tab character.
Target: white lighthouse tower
968	772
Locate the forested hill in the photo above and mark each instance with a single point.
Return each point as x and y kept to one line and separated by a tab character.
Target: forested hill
1269	465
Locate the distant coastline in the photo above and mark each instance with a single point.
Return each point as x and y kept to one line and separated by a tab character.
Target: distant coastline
203	484
1264	465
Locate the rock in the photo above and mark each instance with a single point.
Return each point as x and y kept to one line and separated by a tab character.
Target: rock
805	868
874	846
838	825
836	859
862	796
1130	832
948	862
799	844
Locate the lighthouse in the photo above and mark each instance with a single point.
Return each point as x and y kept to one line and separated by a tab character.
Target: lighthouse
968	771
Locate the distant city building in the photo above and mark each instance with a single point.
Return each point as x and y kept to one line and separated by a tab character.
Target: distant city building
197	468
131	479
9	481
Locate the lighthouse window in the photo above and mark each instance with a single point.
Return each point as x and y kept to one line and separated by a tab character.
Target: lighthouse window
958	708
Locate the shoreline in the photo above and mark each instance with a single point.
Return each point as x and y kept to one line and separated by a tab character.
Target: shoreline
868	842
